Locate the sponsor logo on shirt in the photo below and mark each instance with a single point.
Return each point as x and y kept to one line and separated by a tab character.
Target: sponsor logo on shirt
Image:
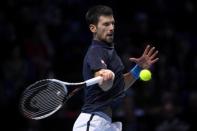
103	63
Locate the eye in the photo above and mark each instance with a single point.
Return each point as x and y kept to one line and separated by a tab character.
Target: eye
106	24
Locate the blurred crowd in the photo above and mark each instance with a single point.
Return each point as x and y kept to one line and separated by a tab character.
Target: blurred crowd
48	39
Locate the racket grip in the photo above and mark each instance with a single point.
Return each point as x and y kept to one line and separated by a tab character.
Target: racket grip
94	80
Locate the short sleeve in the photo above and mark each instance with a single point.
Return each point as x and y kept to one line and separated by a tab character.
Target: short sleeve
97	59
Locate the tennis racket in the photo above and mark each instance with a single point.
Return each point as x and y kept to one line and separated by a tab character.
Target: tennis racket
45	97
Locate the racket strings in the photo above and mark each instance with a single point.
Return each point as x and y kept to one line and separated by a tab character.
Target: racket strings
46	100
48	86
44	105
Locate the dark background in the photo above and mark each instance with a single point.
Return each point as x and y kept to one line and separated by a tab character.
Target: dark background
48	39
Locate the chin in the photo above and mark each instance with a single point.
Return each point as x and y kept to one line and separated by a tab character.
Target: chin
110	40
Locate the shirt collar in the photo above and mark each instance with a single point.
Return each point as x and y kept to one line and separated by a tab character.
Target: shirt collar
101	44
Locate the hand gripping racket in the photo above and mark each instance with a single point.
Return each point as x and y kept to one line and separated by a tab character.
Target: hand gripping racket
45	97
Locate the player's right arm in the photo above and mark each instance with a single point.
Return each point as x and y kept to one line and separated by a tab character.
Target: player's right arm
108	78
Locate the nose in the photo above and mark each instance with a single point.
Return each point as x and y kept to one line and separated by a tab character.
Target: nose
111	27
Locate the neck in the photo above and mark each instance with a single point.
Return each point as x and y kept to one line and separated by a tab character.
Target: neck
104	42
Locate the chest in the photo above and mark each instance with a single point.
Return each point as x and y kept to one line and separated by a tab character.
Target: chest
114	62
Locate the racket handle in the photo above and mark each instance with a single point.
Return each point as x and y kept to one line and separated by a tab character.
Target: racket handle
94	80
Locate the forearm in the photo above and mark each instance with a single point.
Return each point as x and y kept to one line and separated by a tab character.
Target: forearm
129	80
132	76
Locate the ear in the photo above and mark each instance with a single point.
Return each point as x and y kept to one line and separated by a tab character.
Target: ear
93	28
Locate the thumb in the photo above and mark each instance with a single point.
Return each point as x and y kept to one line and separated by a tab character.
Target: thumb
133	60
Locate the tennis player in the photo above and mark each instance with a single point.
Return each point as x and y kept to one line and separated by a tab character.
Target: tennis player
102	60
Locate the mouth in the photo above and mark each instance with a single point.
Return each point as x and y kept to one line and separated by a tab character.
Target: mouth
110	35
110	38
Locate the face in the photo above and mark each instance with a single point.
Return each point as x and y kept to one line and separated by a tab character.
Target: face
104	30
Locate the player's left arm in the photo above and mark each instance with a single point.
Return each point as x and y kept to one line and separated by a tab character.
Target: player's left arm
148	58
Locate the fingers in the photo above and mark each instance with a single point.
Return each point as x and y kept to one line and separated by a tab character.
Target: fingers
155	60
106	74
153	55
151	51
108	78
146	50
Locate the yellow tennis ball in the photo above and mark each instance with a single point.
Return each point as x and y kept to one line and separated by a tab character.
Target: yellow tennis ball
145	75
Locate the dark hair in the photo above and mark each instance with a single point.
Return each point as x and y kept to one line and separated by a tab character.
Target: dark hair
95	12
